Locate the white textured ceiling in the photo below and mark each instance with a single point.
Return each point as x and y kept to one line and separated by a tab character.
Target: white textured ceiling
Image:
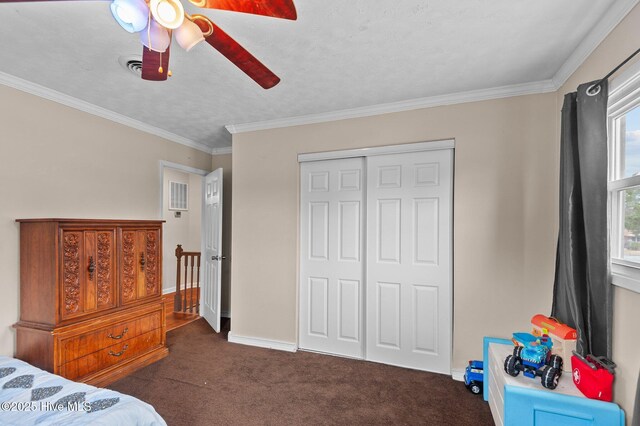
339	54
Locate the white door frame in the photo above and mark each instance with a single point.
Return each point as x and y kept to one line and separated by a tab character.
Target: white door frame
378	150
186	169
365	152
181	167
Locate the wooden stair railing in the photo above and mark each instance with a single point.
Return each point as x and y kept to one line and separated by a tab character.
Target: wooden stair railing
184	300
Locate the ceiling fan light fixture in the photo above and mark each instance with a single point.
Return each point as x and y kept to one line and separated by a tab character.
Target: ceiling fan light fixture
168	13
132	15
188	35
155	37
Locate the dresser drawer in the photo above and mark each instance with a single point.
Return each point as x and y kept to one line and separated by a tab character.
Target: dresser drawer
119	332
112	355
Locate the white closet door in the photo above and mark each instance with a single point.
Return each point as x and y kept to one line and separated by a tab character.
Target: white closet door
409	260
331	262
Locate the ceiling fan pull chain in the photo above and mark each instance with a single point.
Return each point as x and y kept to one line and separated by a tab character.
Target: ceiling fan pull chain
169	73
149	30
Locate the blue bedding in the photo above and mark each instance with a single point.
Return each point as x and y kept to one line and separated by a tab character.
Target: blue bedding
30	396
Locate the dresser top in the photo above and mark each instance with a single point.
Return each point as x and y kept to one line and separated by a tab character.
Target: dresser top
89	220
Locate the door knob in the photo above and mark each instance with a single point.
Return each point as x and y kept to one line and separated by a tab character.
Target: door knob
218	257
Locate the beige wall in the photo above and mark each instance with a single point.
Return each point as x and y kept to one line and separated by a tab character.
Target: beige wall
504	218
194	233
56	161
626	305
184	230
224	161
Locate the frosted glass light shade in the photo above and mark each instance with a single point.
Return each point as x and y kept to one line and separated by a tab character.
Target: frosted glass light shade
188	35
132	15
155	37
168	13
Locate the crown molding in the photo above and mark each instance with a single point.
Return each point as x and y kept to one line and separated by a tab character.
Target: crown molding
614	15
601	30
412	104
605	25
70	101
221	151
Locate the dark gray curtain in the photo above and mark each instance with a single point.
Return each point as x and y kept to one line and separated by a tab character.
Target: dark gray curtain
582	292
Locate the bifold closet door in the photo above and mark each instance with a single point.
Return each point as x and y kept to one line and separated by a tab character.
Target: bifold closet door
408	264
331	256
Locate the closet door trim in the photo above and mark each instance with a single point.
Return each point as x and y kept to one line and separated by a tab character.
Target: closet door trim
379	150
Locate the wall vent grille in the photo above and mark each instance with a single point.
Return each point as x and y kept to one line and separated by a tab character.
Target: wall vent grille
178	196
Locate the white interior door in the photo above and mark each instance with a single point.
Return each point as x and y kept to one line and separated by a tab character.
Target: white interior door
212	249
331	257
409	231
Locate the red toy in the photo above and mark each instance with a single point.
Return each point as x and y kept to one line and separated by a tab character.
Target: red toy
593	376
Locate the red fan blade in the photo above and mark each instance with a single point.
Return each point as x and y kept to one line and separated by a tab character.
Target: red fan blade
284	9
244	60
151	63
33	1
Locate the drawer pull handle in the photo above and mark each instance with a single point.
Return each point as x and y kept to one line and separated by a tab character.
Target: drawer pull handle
112	353
120	336
142	261
91	268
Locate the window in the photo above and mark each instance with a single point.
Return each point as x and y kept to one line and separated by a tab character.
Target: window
624	178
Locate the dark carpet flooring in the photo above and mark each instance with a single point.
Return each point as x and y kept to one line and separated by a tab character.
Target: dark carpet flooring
207	381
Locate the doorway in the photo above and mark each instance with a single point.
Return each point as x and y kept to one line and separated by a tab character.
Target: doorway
191	278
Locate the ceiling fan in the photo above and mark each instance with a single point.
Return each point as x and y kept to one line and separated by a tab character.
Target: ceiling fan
157	21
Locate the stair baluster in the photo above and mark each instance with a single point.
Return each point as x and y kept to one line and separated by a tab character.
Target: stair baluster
190	299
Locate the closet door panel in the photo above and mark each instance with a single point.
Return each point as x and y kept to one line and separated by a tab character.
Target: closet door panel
318	310
409	260
349	294
331	263
319	231
349	231
388	230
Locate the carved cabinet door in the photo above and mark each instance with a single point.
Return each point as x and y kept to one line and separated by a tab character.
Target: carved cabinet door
140	264
88	275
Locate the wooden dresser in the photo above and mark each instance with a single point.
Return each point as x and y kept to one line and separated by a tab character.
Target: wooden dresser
91	306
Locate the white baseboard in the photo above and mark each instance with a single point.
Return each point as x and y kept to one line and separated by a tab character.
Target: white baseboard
457	374
263	343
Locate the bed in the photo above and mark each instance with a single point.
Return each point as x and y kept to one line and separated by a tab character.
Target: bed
30	396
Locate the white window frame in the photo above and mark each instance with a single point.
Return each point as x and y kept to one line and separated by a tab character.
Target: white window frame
624	95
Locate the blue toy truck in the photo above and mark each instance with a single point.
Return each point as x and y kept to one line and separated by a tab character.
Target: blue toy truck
534	359
473	378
